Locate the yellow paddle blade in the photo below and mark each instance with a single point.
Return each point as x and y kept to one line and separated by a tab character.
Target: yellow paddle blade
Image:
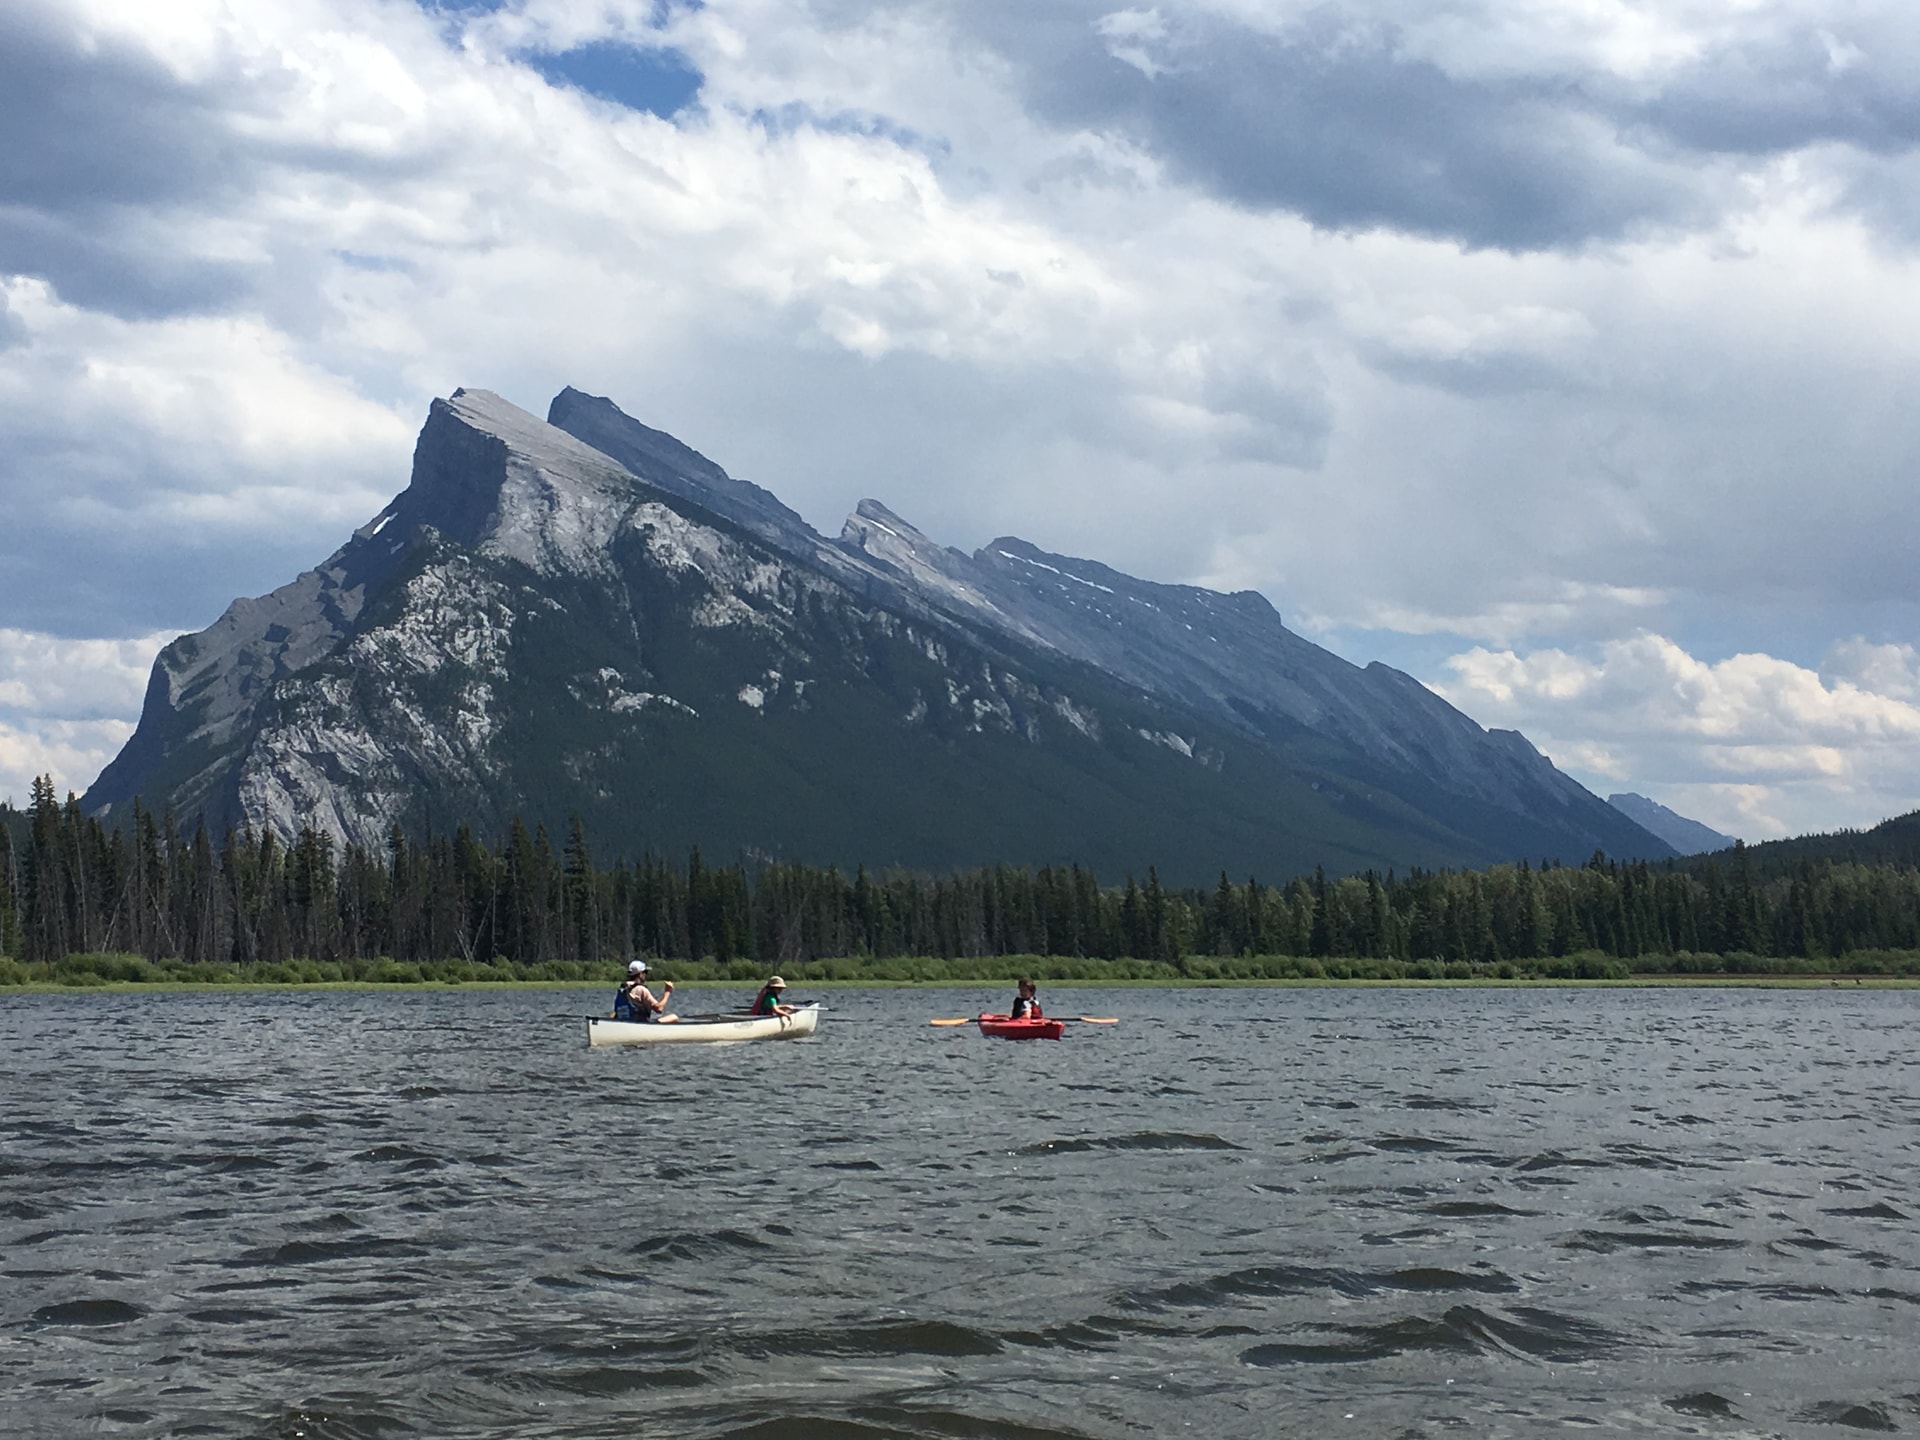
963	1020
1098	1019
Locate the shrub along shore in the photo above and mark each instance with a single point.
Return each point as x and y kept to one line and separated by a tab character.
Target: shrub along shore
85	971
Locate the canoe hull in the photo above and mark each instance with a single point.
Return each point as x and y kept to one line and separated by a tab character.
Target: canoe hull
725	1031
1001	1028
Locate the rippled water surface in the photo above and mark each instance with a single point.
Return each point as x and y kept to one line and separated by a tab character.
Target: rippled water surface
1282	1212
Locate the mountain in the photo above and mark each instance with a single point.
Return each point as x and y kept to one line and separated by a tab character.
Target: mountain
1687	837
584	616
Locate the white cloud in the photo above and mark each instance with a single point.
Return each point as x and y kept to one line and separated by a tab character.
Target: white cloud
73	752
44	675
1882	669
1566	605
229	391
66	706
1132	37
1757	745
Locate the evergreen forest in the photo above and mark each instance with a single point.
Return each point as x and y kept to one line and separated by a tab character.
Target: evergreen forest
84	902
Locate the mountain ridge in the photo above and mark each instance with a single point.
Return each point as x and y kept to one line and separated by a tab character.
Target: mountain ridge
590	616
1686	836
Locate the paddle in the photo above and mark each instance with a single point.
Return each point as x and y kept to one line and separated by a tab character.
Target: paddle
1070	1019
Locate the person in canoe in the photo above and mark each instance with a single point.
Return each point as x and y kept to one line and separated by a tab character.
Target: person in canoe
768	1001
1026	1002
636	1002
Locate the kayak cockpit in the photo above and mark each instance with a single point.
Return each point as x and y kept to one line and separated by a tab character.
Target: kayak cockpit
1005	1027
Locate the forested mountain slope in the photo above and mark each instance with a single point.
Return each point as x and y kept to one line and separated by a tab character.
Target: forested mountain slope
1894	842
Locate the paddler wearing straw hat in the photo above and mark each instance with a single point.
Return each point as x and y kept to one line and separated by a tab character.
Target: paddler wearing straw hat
767	1002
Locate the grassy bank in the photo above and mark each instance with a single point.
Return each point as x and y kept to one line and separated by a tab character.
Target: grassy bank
97	970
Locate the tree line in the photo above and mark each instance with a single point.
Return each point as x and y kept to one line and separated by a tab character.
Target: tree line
72	885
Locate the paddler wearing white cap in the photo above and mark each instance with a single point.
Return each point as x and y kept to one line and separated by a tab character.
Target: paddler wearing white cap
635	1002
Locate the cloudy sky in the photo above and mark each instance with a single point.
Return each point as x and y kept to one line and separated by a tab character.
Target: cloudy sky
1564	353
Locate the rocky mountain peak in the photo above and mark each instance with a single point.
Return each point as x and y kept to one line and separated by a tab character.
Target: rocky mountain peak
492	475
648	452
666	464
876	533
935	573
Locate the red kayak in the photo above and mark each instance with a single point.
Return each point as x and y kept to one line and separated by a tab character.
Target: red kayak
1008	1029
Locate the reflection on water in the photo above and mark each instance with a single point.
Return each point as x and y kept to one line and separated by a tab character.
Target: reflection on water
1376	1212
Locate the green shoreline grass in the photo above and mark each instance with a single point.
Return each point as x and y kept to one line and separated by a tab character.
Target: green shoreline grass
133	973
1845	981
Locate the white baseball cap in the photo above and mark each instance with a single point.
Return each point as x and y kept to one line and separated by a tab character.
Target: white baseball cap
638	967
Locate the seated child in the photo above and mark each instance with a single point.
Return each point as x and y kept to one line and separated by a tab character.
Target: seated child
1026	1005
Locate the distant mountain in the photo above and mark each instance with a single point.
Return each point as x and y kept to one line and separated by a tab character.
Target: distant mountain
1687	837
583	615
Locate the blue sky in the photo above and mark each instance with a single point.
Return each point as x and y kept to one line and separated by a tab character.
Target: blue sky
659	82
1557	352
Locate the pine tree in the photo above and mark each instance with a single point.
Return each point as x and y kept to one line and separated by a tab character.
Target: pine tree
1320	940
9	888
44	913
1133	922
585	938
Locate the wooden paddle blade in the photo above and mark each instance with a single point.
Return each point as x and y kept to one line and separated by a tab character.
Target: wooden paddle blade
963	1020
1098	1019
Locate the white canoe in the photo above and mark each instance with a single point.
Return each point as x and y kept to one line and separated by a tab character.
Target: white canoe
708	1030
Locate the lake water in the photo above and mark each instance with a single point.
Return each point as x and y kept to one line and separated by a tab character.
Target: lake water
1242	1213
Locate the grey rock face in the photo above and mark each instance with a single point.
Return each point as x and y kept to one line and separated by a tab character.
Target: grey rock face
585	614
1687	837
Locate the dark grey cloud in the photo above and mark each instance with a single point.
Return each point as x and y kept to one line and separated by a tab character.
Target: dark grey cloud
1345	119
1340	126
1349	135
95	135
93	121
1788	91
107	259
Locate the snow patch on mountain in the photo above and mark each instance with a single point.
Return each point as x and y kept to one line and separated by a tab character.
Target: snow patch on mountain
1176	743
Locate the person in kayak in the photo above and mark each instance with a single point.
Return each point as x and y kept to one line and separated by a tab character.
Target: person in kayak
1026	1002
767	1002
637	1003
